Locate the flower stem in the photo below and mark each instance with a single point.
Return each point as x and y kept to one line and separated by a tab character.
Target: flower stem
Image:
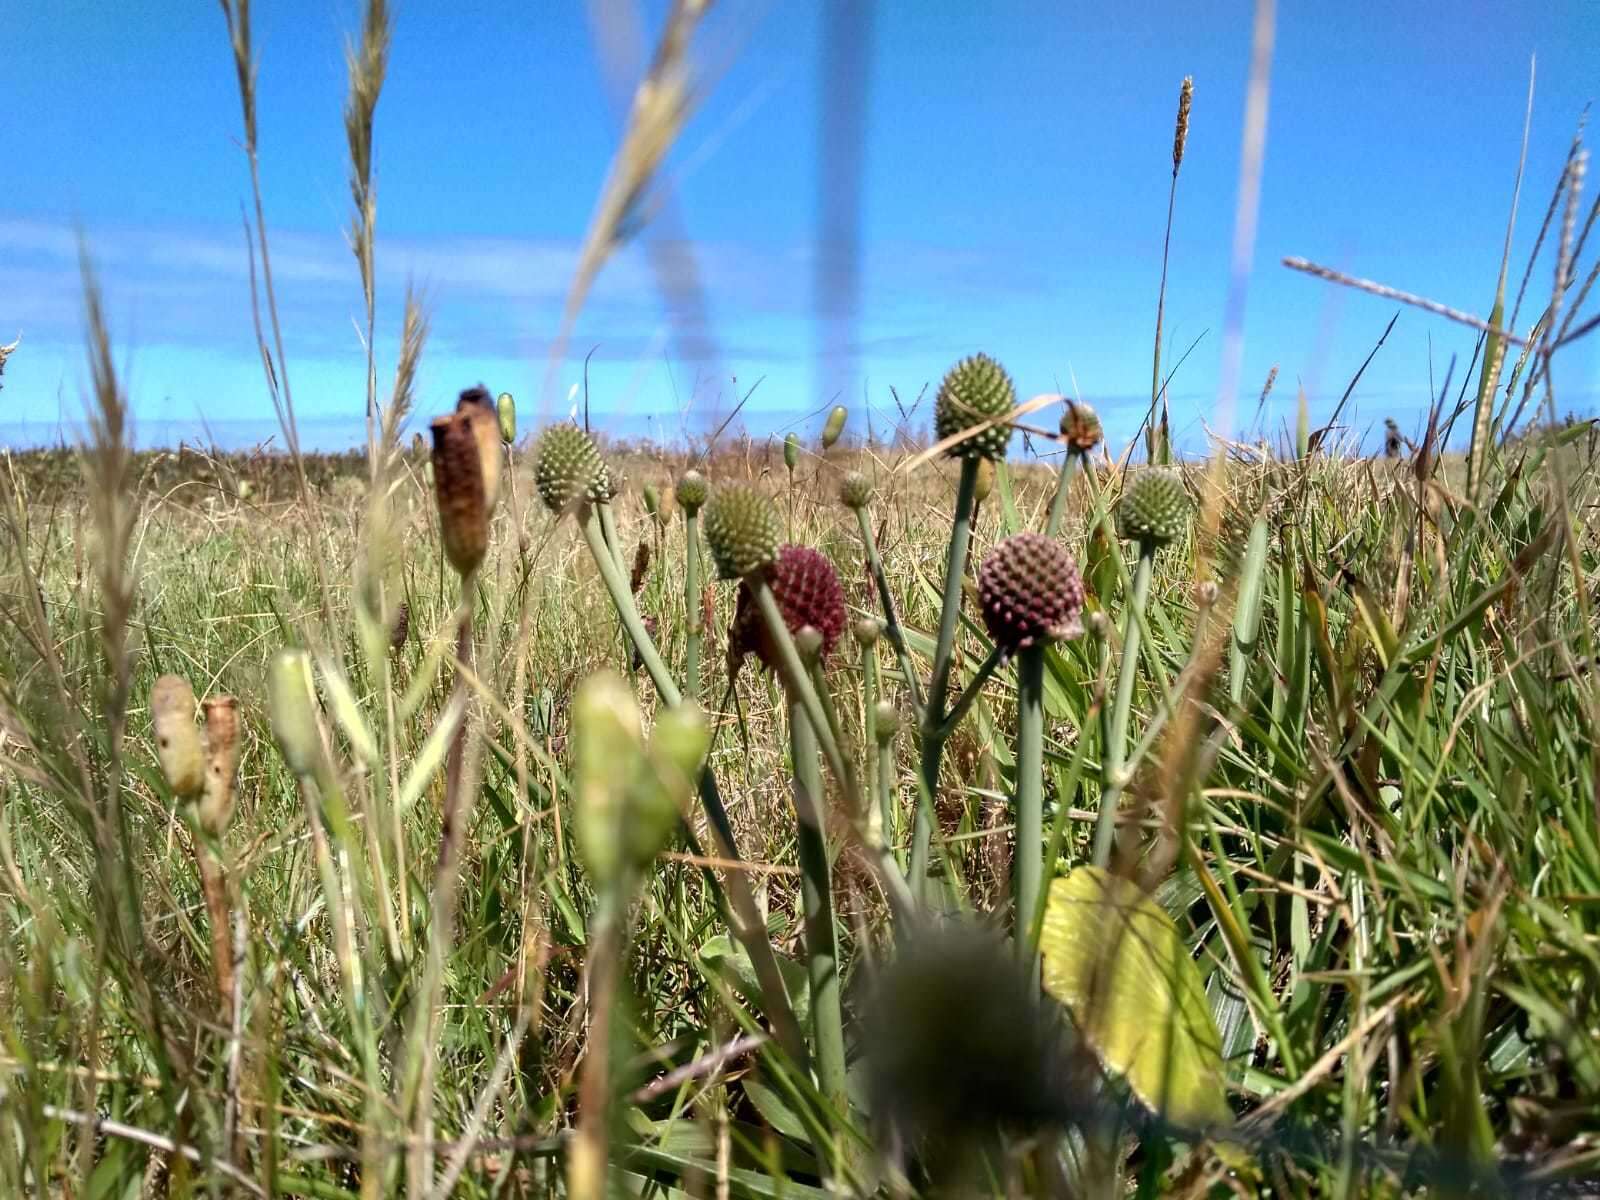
816	892
933	734
691	602
797	684
746	923
1114	756
1058	504
877	806
1030	796
891	620
973	690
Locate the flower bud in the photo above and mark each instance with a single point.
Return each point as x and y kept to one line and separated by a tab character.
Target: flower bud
506	410
833	429
886	721
692	491
1205	593
808	642
791	452
867	631
983	482
177	739
292	711
855	490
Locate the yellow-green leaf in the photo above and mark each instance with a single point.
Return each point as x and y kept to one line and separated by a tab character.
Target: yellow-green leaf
1118	963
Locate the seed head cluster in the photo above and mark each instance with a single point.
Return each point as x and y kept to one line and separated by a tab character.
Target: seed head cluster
743	530
569	468
1155	509
974	391
807	589
1030	592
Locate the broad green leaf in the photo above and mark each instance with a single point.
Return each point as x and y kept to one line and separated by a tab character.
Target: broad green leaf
1118	963
731	961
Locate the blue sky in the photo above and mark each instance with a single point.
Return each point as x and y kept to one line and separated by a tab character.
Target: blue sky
1013	194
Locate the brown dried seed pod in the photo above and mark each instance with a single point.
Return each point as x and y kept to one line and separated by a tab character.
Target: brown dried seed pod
402	625
177	739
458	487
641	567
480	409
222	763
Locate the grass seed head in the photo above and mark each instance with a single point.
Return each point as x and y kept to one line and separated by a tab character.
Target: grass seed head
569	469
855	490
743	530
1030	592
177	739
1180	134
1155	509
222	763
459	489
1080	425
691	492
974	391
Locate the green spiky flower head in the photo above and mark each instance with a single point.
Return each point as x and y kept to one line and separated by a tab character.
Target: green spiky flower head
692	492
569	468
975	390
743	530
1155	508
855	490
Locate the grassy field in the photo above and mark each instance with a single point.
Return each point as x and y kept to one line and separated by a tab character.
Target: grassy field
505	816
1371	821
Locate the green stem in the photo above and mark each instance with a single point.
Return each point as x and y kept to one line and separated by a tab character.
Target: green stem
608	526
691	601
749	927
888	800
1114	757
891	620
1030	796
627	611
797	683
933	737
1058	504
876	806
972	691
816	894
